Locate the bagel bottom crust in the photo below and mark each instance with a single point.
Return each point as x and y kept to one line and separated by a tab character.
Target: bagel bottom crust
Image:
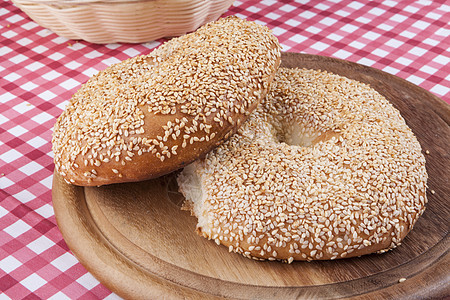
325	168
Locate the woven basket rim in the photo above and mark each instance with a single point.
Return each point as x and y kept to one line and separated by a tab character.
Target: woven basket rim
124	21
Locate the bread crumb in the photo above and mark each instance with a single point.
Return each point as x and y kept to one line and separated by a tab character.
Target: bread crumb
403	279
433	192
427	152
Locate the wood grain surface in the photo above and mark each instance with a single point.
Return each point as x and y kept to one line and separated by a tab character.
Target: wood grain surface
137	241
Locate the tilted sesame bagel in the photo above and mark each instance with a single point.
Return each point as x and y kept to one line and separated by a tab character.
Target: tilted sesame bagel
325	168
152	114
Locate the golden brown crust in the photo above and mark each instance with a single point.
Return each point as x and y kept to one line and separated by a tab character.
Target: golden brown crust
286	254
152	114
325	168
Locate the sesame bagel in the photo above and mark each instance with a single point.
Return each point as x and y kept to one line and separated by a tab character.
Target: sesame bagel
325	168
153	114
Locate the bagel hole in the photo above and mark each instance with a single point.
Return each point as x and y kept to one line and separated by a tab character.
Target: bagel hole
295	134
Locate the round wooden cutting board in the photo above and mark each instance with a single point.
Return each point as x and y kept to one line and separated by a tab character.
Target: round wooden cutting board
136	240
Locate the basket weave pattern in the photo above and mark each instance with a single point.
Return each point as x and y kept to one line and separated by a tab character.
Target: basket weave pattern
122	21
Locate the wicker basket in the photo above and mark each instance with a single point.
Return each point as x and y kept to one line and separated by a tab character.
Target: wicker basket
109	21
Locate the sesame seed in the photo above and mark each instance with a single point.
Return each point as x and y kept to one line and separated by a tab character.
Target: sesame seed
323	167
202	75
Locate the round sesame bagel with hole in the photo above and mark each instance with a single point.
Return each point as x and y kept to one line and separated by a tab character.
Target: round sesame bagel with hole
325	168
153	114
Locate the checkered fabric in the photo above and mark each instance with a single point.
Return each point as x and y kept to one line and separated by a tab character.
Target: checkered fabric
39	72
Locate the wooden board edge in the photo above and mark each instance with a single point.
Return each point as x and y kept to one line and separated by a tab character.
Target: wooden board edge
113	269
102	259
161	287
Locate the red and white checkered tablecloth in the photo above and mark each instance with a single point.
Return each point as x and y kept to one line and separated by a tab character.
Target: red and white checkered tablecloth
39	72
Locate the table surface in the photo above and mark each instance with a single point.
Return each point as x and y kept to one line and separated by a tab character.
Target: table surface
39	71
